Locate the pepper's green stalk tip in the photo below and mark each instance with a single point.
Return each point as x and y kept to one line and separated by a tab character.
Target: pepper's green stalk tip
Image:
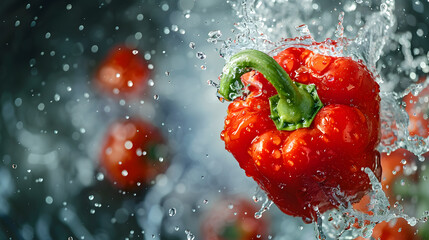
296	104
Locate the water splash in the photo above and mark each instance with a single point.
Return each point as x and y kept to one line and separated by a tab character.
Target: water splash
260	196
363	33
367	45
349	223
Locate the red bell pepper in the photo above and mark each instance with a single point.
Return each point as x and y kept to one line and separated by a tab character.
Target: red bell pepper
305	145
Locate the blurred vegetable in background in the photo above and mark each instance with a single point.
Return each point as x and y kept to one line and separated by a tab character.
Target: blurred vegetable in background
233	218
133	154
124	72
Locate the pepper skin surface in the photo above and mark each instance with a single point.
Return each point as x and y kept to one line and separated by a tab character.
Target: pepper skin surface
309	170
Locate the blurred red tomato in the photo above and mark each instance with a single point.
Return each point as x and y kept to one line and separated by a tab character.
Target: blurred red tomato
133	152
394	230
123	72
234	219
418	110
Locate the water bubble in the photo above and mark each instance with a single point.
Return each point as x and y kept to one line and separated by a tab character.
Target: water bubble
49	200
150	82
18	102
187	14
174	28
176	228
172	212
167	73
124	173
205	201
161	159
140	17
139	152
203	67
166	30
69	6
189	235
165	7
94	48
192	45
138	35
41	106
200	55
156	96
215	34
100	176
91	197
128	144
66	67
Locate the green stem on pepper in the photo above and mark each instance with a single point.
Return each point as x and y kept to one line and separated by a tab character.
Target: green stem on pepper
295	105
